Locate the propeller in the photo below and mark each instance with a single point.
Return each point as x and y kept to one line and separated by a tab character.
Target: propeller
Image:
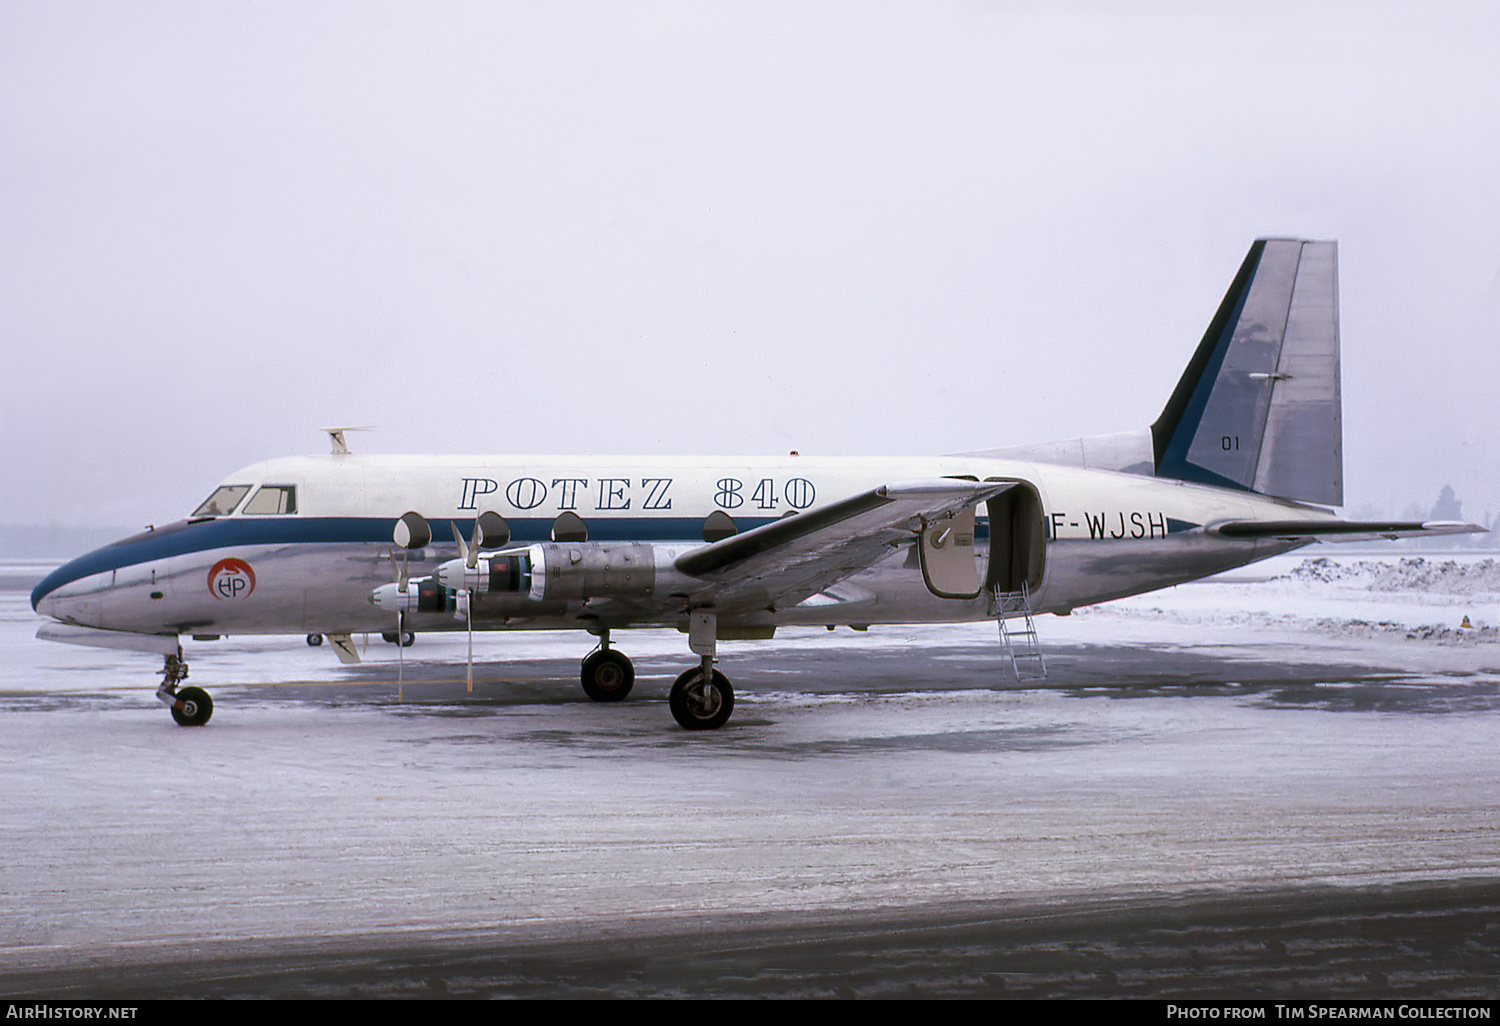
401	581
470	555
411	532
490	531
467	598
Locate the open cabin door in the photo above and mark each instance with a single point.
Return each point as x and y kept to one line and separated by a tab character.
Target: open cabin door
1018	541
948	557
1017	548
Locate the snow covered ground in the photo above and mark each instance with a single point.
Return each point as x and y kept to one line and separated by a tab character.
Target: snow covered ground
1292	724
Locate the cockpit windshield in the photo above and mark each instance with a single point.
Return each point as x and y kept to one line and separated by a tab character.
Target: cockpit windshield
273	499
222	502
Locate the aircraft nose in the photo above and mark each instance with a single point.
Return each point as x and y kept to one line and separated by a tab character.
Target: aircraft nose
116	583
47	597
61	605
47	605
71	592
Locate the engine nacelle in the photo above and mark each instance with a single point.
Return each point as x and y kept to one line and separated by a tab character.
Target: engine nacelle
504	572
560	571
421	595
585	570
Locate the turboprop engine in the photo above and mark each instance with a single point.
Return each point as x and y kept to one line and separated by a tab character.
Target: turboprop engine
422	595
561	571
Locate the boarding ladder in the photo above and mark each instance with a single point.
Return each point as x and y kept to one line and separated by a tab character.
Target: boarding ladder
1018	632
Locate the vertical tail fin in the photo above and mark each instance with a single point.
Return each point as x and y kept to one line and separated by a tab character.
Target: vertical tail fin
1258	407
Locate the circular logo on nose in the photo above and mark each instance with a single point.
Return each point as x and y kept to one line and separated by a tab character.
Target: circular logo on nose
231	579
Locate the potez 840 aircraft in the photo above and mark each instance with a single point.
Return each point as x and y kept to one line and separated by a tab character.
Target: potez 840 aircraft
1242	464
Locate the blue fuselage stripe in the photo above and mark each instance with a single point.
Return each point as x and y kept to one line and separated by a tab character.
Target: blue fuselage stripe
183	539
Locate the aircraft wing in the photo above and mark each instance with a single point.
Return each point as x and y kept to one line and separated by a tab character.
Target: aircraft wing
784	562
1344	530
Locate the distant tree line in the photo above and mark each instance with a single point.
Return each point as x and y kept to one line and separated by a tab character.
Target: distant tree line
1448	506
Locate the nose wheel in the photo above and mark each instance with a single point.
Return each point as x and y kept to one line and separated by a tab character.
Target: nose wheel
191	707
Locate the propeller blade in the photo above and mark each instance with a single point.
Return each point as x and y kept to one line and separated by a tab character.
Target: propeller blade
400	656
472	559
469	673
463	549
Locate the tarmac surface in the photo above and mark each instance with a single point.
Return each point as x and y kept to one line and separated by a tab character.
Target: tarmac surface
1215	793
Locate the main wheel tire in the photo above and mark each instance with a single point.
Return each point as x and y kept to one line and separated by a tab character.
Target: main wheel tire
315	640
408	639
696	707
197	707
607	676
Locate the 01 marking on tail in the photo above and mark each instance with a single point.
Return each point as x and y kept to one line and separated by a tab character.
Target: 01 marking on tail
1242	464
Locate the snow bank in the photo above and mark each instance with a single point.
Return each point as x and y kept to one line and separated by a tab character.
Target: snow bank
1447	577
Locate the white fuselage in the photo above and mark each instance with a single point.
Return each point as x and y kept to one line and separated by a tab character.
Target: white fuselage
1103	535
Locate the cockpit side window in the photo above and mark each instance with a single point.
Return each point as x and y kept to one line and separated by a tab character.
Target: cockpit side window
273	499
222	502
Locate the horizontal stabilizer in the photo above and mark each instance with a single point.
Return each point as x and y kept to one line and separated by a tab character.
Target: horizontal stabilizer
1344	530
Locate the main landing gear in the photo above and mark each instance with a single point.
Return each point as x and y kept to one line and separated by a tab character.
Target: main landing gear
191	707
702	698
699	706
608	674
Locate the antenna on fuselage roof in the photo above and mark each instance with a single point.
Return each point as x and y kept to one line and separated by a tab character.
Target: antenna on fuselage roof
336	436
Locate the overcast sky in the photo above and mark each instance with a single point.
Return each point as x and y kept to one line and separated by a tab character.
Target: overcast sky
863	228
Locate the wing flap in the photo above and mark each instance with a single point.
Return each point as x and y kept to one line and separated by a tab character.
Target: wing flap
784	562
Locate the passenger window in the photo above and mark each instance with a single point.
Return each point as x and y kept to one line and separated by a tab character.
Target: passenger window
222	502
273	499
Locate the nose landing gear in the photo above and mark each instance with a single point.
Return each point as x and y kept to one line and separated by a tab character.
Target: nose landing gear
191	707
608	674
